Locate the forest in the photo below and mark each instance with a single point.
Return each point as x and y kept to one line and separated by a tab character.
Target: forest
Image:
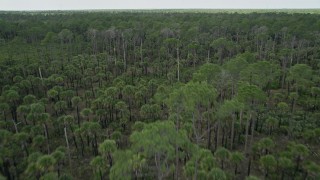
159	95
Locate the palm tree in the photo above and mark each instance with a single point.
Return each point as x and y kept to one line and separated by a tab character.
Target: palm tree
93	129
67	96
53	94
222	154
4	108
122	108
228	111
37	114
101	113
75	103
79	132
12	97
32	170
59	157
37	108
25	84
250	96
86	112
300	75
141	94
312	170
122	168
282	109
128	93
271	123
267	162
60	107
284	165
201	163
23	110
138	162
299	153
236	158
293	96
116	136
45	163
29	99
44	118
107	148
145	112
67	122
98	166
216	174
22	138
266	144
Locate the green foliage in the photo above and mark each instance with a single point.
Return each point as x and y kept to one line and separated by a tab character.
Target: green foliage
108	146
268	163
49	176
266	145
163	94
223	155
202	161
313	170
250	94
208	73
45	163
123	167
98	164
260	74
252	178
285	163
216	174
300	75
236	157
229	107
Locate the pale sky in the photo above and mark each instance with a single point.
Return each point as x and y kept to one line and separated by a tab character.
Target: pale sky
155	4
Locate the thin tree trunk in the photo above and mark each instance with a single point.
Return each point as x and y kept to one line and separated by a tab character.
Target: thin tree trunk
249	167
247	132
15	126
141	54
124	53
232	132
47	137
82	146
67	141
178	61
78	115
209	134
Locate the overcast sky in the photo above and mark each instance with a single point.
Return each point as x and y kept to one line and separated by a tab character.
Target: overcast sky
154	4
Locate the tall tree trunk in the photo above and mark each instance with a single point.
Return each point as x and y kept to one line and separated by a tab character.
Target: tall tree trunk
47	136
78	115
232	132
249	167
68	147
178	62
82	145
236	169
209	134
247	134
218	134
141	54
124	53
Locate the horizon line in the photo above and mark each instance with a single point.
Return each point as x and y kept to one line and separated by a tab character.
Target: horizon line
134	9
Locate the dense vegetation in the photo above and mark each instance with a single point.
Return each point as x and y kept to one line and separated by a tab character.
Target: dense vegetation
136	95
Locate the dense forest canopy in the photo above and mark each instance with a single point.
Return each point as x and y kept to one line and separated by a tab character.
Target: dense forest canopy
159	95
